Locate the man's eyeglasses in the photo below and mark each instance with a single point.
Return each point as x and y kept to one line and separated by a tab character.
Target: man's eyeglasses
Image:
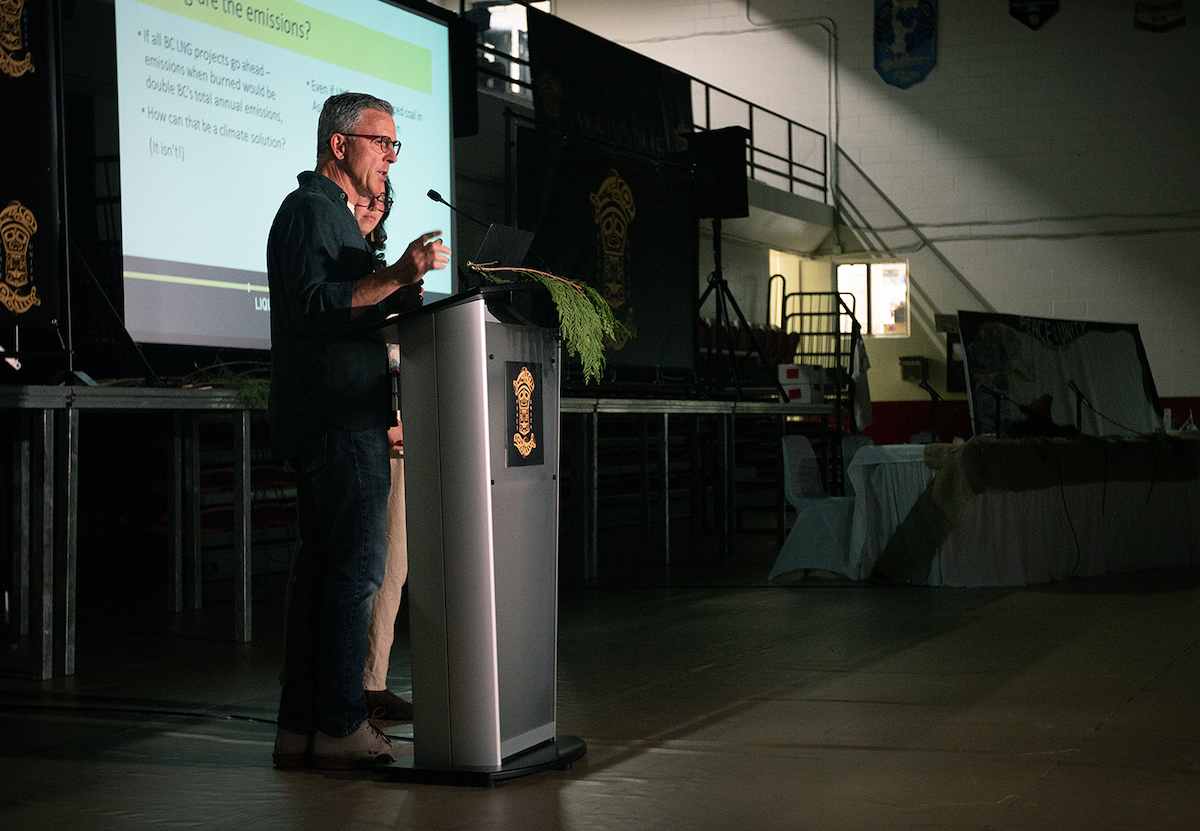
384	143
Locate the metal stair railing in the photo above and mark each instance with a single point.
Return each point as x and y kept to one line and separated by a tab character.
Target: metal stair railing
783	152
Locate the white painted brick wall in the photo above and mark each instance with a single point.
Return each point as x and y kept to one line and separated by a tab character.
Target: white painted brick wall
1085	126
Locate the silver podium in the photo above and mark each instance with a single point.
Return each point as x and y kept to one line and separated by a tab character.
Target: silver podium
479	381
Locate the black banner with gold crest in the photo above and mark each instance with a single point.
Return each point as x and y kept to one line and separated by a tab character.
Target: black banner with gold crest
626	226
29	193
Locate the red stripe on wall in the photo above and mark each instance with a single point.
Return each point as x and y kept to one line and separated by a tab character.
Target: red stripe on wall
896	422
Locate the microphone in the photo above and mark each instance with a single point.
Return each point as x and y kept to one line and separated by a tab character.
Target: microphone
1075	389
437	197
923	384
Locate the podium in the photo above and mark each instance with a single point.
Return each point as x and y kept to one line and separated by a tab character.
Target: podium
479	385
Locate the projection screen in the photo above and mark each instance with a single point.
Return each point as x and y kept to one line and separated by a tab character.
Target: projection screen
217	105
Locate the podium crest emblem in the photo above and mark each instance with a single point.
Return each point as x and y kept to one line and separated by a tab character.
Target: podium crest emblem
524	440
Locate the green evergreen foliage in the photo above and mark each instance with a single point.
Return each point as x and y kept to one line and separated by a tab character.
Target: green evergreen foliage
251	381
585	319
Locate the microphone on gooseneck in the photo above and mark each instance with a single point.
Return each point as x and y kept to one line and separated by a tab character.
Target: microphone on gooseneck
923	384
437	197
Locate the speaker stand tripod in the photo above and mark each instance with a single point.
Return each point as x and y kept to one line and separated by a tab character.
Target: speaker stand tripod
723	326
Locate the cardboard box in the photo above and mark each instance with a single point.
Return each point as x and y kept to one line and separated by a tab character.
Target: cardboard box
804	394
804	384
802	374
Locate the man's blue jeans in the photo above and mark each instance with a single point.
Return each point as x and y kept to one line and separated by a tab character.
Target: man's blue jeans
341	501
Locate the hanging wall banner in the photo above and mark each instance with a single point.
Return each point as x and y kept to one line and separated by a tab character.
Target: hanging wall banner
1158	15
29	190
905	40
1033	13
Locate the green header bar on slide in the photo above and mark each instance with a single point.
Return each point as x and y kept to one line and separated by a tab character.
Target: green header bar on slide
195	281
316	34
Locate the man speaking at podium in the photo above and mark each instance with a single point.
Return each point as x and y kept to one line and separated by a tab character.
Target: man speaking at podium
330	409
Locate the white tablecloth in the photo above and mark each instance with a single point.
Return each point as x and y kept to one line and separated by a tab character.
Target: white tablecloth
1007	512
1017	512
885	481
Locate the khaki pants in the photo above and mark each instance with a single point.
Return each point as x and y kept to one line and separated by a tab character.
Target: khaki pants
382	628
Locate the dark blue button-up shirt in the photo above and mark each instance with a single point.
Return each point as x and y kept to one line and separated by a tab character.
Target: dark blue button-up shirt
326	369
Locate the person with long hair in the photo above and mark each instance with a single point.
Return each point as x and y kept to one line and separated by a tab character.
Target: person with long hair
382	703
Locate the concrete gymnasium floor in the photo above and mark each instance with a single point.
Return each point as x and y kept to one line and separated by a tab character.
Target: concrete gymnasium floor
708	700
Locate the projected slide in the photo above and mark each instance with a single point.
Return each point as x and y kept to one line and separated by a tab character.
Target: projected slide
218	104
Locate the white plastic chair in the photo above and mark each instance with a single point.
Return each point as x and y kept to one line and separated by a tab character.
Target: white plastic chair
820	537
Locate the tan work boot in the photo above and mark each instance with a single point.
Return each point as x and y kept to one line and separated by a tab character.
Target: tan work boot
365	747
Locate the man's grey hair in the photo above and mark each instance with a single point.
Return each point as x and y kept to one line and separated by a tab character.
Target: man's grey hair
342	113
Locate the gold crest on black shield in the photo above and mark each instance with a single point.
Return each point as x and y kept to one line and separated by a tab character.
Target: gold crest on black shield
614	208
12	39
17	227
524	419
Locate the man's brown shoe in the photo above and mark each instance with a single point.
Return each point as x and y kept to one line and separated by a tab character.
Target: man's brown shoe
385	705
